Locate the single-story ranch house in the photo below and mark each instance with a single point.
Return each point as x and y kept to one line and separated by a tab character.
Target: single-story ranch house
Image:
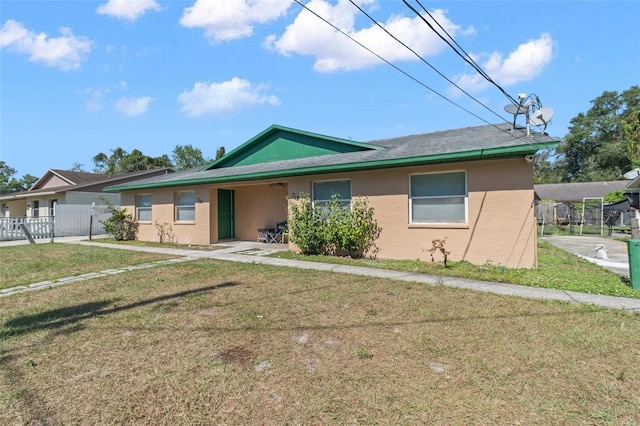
472	186
61	203
67	187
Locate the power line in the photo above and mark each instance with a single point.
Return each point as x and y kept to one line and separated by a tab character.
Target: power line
425	61
391	64
406	73
466	57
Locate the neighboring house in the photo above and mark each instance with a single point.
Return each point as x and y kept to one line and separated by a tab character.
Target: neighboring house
67	187
576	192
633	194
472	186
556	202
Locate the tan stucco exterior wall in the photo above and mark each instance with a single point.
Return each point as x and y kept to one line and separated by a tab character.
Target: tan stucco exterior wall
500	228
255	206
501	223
163	215
259	206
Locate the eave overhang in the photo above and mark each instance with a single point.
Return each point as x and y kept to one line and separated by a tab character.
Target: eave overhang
25	195
456	157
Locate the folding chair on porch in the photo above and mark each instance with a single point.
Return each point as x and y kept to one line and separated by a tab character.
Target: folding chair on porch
280	234
277	235
263	235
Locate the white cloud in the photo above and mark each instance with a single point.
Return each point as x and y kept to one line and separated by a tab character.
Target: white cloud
65	52
128	10
133	106
309	35
224	97
526	62
225	20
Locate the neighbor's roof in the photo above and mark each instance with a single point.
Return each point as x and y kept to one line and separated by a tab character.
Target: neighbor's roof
471	143
81	181
68	176
575	192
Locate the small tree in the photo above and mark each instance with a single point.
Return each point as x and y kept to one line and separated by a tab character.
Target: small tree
120	224
334	229
165	232
351	231
303	224
438	245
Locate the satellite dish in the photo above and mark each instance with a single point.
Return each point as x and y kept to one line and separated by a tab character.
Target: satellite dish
514	109
632	174
541	117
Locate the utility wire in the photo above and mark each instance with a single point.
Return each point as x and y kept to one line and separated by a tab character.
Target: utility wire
395	66
406	73
466	57
427	62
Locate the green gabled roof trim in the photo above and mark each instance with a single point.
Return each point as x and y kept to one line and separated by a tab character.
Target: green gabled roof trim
267	147
481	154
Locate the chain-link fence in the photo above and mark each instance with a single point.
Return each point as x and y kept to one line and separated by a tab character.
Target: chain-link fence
591	217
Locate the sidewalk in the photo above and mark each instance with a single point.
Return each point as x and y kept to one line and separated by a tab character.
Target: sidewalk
250	252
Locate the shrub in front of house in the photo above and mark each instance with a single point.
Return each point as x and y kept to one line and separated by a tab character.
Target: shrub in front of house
120	225
333	228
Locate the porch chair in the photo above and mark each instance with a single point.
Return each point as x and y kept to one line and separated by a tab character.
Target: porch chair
280	234
276	235
263	235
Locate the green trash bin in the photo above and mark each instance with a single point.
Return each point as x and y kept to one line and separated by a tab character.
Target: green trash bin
633	248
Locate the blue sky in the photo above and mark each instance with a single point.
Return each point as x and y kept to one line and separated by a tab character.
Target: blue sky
82	77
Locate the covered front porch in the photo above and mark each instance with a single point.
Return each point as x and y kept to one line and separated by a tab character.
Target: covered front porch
238	212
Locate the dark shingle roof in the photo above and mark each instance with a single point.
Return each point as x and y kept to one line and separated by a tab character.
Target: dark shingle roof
78	178
89	182
575	192
444	146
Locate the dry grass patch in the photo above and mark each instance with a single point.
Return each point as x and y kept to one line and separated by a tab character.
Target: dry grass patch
207	247
211	342
27	264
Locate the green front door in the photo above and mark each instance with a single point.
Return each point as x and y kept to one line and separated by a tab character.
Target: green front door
225	214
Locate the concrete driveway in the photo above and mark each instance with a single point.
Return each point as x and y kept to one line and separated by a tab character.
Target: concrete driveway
585	246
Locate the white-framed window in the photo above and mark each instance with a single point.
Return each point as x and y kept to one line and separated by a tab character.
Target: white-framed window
324	191
186	206
438	198
143	208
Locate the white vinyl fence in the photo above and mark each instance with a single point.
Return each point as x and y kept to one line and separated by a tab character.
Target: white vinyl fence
75	219
22	228
69	220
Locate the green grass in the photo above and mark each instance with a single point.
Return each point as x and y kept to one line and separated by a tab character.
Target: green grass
212	342
556	269
28	264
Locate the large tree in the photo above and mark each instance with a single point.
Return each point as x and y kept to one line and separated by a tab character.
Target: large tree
9	184
546	169
602	143
120	161
188	157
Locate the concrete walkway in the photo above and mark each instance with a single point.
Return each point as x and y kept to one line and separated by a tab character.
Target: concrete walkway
249	252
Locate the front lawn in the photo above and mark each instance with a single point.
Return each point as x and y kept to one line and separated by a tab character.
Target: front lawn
212	342
557	269
32	263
